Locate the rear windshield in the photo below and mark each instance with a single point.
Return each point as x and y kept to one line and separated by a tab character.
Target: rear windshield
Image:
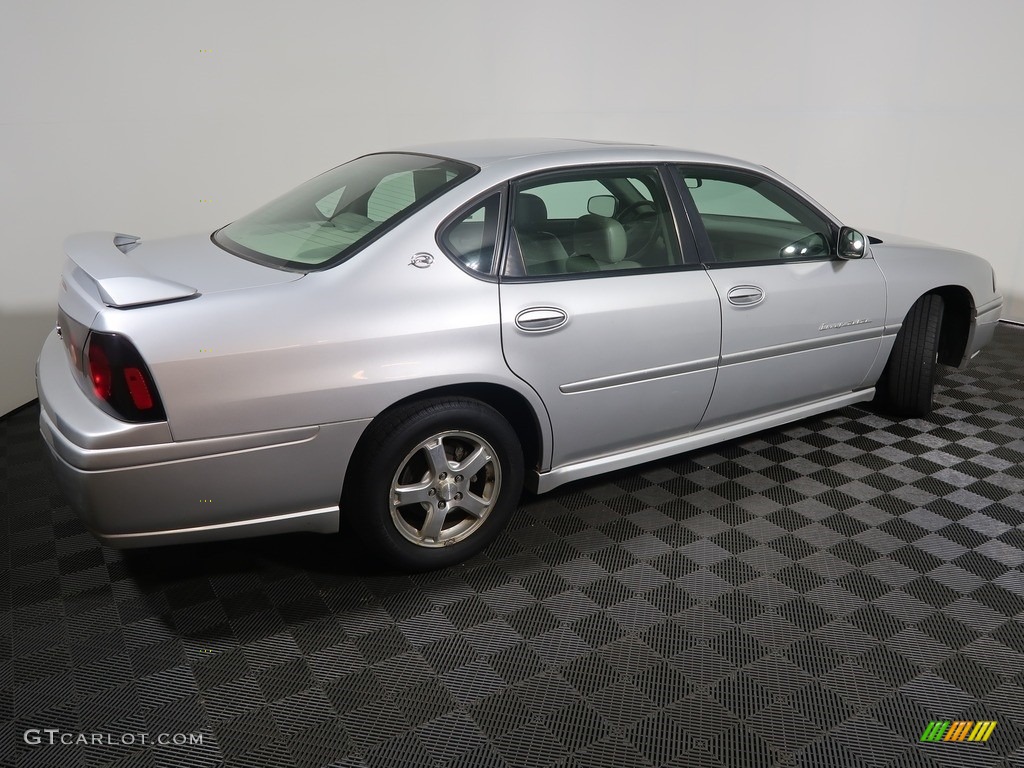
319	223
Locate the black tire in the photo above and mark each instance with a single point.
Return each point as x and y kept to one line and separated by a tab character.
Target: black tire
909	378
400	457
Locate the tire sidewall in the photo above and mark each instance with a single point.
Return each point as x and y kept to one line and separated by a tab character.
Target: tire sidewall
906	395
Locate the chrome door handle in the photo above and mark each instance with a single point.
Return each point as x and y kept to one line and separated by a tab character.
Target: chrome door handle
541	319
745	295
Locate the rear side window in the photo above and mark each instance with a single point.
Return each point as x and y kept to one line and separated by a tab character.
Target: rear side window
599	220
328	218
568	199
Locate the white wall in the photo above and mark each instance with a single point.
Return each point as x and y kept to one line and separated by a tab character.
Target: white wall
119	114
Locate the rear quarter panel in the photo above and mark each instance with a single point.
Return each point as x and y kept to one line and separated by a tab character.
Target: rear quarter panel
337	345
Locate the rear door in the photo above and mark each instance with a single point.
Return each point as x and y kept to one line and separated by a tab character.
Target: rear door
798	323
602	315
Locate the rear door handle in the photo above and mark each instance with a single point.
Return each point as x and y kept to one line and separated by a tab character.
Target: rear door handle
541	319
745	295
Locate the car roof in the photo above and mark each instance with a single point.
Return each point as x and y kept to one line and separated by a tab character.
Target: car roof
521	154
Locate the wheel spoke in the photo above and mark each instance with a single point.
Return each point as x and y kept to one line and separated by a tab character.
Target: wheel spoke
431	530
473	463
437	459
473	505
412	494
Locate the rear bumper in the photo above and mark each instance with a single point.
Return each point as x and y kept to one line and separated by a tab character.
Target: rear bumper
133	486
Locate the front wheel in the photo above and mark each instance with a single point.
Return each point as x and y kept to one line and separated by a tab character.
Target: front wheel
434	482
909	379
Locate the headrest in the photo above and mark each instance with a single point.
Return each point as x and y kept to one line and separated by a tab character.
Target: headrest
531	213
601	238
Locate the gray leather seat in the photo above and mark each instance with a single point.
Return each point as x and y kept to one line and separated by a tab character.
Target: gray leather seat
600	244
543	253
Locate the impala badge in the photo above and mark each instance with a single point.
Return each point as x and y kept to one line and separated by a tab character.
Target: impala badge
421	260
846	324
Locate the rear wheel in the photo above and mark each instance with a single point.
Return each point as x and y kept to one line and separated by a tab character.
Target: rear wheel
434	483
909	378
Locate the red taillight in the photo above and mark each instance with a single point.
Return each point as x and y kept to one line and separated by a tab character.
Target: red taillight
120	379
138	389
99	371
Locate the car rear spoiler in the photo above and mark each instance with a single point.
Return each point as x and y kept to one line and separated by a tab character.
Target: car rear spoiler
121	281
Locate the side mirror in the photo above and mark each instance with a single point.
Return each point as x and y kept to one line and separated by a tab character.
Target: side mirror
602	205
852	244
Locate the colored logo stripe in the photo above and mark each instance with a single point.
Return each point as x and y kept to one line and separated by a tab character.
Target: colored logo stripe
958	730
982	730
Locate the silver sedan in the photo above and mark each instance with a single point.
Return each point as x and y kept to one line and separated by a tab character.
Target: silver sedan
399	344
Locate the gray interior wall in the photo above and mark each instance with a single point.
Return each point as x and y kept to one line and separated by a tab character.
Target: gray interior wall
162	119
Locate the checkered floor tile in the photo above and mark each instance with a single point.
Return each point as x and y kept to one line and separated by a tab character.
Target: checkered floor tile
810	596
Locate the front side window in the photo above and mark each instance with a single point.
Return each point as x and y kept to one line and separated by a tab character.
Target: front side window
593	220
328	218
749	218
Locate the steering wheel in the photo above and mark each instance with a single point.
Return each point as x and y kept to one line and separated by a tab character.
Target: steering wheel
636	205
639	240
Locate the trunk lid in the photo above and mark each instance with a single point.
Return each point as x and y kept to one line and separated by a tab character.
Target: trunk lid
108	269
125	272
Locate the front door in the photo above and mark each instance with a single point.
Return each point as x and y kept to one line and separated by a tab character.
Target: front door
798	323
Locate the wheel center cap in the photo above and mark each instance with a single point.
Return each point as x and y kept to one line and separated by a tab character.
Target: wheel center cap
446	490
